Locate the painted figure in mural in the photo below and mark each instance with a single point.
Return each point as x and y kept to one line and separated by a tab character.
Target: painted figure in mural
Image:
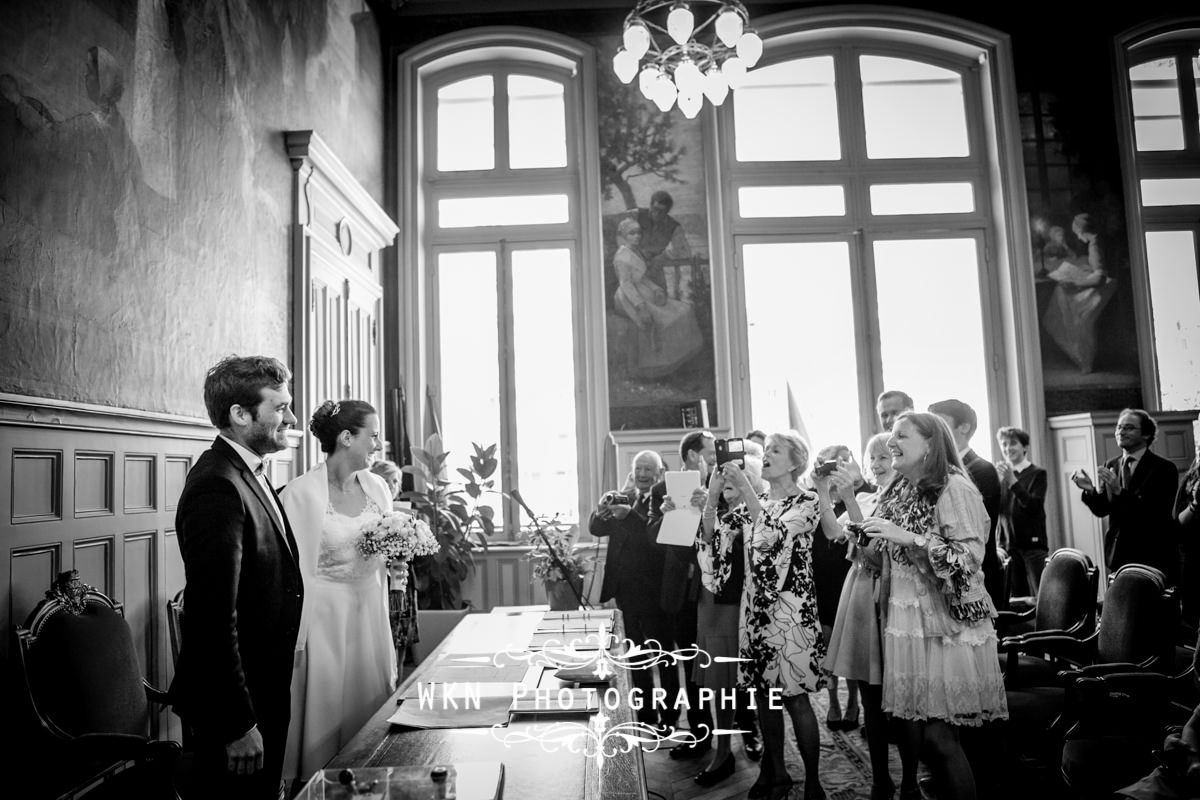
1083	288
662	235
667	332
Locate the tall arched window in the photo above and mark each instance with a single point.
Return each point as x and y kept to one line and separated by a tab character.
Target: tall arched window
863	170
500	191
1160	144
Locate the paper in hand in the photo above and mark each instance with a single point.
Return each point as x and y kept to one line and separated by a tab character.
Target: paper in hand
680	525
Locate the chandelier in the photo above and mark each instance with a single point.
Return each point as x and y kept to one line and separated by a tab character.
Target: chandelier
678	65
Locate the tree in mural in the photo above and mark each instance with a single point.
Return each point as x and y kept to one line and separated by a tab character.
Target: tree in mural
635	139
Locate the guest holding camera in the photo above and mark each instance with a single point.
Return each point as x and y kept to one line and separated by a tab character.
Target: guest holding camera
939	642
634	565
855	644
781	635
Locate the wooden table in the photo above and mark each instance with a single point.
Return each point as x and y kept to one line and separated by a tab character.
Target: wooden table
531	770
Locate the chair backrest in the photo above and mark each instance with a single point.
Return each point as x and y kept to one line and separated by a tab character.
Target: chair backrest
1067	593
80	663
432	627
175	624
1139	617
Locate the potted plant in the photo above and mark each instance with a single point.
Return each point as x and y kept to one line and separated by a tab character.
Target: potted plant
458	519
558	563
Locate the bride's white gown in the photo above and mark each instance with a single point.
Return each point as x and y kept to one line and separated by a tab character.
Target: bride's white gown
351	661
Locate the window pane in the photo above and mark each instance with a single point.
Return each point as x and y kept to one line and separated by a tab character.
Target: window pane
792	201
478	212
1157	119
922	198
1171	192
537	123
933	348
912	110
468	349
807	346
544	377
465	131
1175	303
788	112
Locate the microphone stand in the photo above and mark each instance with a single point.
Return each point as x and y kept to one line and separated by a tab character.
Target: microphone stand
516	495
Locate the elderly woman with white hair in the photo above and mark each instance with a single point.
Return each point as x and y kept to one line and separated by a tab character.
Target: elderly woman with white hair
781	641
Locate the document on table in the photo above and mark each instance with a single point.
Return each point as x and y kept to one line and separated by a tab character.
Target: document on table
680	525
452	712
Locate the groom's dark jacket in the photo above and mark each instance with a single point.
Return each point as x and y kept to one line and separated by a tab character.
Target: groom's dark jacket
241	608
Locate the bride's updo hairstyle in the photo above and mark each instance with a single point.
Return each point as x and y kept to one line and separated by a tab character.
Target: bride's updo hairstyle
331	418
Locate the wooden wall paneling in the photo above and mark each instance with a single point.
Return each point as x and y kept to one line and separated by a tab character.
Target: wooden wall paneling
94	558
141	483
175	470
140	592
32	570
37	486
95	479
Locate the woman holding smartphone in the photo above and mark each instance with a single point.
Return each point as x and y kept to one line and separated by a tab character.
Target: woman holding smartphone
780	641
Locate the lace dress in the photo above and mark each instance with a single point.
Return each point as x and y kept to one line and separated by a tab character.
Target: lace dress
351	659
939	643
781	638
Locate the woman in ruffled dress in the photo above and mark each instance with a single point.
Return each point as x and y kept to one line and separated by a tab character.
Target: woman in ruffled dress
780	638
939	641
855	645
346	663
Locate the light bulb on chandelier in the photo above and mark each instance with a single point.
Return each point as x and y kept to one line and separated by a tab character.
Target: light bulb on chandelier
675	57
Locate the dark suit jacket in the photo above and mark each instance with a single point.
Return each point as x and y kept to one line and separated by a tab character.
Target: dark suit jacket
634	564
983	475
681	572
1023	510
1141	529
241	605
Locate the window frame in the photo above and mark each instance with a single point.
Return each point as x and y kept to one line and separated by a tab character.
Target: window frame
994	166
1159	39
421	71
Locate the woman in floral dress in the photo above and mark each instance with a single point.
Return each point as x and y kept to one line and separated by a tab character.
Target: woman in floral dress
941	668
780	634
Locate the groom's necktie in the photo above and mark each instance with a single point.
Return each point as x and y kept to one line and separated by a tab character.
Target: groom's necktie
1126	471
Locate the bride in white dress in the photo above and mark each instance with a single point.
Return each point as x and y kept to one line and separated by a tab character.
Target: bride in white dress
345	660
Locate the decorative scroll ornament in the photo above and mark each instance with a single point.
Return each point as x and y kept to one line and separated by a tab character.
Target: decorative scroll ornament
70	592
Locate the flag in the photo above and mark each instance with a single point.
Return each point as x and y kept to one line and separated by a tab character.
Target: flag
795	421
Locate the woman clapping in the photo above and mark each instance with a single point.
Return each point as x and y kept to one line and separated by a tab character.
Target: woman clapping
780	635
939	642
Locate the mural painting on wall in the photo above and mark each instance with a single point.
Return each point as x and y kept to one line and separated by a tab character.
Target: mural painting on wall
140	149
657	283
1080	259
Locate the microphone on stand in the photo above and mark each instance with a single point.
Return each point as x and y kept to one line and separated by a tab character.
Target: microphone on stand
516	495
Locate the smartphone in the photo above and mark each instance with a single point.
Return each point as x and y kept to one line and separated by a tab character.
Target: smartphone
731	450
825	469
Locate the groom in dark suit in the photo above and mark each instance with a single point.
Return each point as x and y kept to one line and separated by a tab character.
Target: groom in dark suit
242	600
1137	493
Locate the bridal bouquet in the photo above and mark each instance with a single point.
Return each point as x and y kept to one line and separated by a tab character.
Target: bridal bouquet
397	537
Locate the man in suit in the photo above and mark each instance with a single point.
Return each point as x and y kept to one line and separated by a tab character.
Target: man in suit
633	566
1137	494
680	590
963	421
890	405
1022	525
243	596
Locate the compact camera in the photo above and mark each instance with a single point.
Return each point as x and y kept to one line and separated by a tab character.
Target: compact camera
731	450
615	498
825	469
859	533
